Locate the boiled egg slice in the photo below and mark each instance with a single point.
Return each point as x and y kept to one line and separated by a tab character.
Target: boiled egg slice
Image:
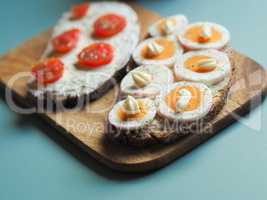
146	81
206	66
157	51
185	101
204	35
132	113
172	25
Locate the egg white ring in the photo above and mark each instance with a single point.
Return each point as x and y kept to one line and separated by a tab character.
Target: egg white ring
138	58
133	124
204	108
209	78
181	19
211	45
161	75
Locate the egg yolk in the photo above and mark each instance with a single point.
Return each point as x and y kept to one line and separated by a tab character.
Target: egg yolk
191	64
169	49
173	96
123	116
161	25
193	34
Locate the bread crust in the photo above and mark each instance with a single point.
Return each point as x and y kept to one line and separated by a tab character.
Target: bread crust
164	131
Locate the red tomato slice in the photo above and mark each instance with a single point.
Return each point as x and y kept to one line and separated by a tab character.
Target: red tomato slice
78	11
48	71
95	55
66	41
109	25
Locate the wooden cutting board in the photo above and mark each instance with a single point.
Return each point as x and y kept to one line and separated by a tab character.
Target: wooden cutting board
86	127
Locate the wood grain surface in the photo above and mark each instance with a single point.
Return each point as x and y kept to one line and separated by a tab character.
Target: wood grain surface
86	127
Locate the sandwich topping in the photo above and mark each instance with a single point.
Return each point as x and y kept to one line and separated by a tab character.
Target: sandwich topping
141	79
131	106
146	81
204	35
157	51
154	49
95	55
185	101
132	113
201	64
66	41
167	26
172	25
206	66
48	71
132	109
79	11
186	98
109	25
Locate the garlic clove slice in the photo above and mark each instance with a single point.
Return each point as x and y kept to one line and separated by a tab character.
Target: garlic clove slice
154	49
169	26
183	100
141	79
206	33
206	63
131	106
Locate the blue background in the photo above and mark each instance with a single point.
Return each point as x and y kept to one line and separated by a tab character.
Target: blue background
37	163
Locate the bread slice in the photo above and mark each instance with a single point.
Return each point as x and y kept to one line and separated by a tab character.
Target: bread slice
78	86
163	131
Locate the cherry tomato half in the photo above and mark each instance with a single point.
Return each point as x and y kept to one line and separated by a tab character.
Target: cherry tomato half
95	55
78	11
109	25
66	41
48	71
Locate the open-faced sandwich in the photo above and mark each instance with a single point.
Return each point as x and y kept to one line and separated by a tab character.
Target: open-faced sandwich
89	48
166	103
